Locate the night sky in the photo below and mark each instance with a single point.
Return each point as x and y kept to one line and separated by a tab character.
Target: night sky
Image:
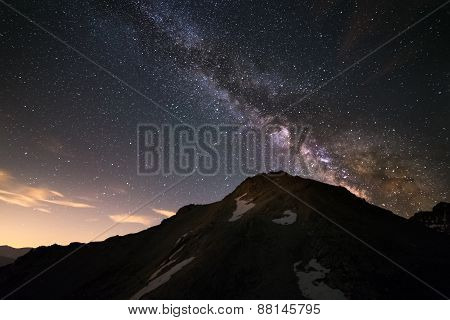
68	128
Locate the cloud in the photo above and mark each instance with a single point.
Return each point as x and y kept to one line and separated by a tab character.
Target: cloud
15	193
165	213
67	203
4	176
126	218
146	220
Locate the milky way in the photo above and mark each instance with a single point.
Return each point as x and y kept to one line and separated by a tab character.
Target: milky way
368	158
380	129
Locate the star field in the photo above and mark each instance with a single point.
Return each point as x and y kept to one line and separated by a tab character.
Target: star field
380	129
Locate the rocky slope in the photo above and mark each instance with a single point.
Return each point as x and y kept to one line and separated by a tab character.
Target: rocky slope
438	219
259	242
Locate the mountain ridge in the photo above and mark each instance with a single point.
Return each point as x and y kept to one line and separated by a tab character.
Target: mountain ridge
258	242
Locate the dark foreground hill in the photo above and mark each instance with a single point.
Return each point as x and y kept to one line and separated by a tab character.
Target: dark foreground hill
259	242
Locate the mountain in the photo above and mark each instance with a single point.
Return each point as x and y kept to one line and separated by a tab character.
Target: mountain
275	236
9	254
438	219
5	260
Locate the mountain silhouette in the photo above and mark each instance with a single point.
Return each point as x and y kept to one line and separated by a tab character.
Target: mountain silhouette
275	236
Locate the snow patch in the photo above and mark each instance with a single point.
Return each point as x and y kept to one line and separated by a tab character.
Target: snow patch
289	218
176	252
159	281
161	268
242	206
170	261
182	237
310	282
